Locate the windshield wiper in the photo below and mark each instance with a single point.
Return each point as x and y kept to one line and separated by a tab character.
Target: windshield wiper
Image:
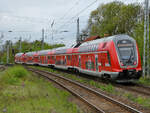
129	60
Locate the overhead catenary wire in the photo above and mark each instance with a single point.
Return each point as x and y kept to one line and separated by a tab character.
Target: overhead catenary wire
69	10
76	15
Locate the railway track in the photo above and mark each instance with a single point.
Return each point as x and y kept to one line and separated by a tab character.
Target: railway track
100	102
142	86
140	89
2	68
135	88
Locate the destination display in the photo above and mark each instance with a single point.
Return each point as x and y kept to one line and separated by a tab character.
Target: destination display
125	43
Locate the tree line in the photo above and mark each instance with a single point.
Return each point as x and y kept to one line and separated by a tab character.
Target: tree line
26	46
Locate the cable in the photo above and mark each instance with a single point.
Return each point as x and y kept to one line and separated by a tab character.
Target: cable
77	1
77	14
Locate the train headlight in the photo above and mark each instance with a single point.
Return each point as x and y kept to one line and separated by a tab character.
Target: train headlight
121	63
135	63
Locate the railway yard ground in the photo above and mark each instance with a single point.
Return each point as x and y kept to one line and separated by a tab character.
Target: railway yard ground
24	90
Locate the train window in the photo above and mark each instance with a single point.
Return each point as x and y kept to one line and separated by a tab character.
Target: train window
49	57
104	45
86	65
41	59
53	57
109	58
125	52
69	57
92	65
79	61
96	62
89	65
65	61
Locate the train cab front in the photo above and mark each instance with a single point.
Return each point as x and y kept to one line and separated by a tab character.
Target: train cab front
129	60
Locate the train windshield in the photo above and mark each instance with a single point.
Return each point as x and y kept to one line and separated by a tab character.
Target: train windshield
126	51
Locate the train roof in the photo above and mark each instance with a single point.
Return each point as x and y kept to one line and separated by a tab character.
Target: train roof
61	50
114	38
30	53
44	52
94	44
84	47
18	54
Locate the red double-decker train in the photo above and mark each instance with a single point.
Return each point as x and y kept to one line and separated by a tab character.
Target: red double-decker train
116	58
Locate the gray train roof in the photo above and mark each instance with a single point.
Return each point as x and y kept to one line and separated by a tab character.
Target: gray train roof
44	52
18	54
30	53
114	38
93	45
61	50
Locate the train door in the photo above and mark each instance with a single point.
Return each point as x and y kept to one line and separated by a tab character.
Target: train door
48	59
96	62
69	58
105	61
79	65
42	59
36	59
108	62
75	60
99	63
83	61
90	63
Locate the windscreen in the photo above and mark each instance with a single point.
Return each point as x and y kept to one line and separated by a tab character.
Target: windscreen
126	52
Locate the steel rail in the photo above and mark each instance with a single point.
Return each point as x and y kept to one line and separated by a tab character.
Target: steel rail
142	92
98	110
145	93
122	105
2	68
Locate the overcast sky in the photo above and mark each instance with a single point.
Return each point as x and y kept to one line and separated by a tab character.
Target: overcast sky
26	18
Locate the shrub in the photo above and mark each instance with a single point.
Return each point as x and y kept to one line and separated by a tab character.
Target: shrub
18	72
14	75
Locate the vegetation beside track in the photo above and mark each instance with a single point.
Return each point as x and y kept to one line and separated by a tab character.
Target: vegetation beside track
21	92
107	88
144	81
140	100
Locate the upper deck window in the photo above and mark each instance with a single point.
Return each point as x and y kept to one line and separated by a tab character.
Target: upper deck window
104	45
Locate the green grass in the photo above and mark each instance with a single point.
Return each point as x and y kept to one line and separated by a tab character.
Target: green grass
14	76
108	88
144	81
140	100
25	93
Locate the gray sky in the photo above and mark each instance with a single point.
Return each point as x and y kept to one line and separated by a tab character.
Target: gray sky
27	17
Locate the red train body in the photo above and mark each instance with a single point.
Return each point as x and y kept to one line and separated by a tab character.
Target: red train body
116	58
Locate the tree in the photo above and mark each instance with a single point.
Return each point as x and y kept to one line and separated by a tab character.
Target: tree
114	18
